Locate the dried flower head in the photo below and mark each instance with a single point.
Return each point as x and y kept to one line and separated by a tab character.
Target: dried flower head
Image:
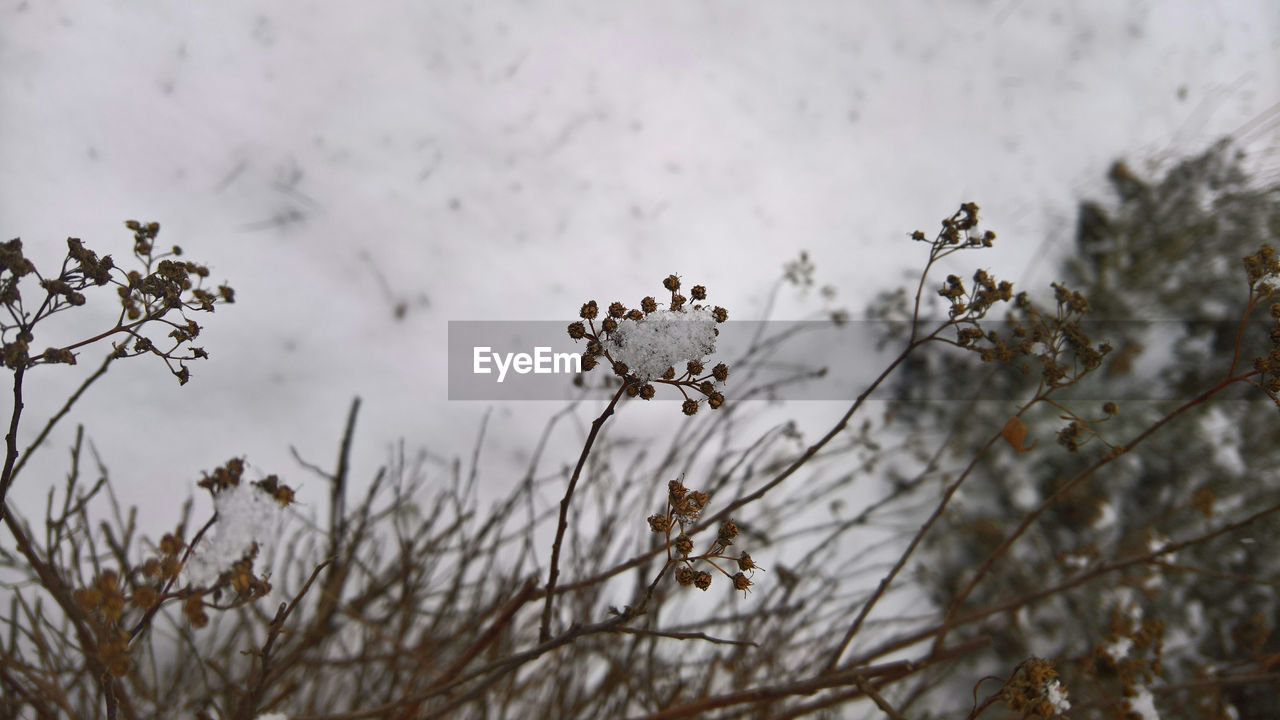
684	507
683	544
676	490
659	523
159	296
728	531
1036	690
644	346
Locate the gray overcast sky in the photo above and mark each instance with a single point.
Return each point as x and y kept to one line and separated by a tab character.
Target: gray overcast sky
509	160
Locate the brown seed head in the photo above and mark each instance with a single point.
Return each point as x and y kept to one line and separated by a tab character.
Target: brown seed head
683	544
677	491
728	531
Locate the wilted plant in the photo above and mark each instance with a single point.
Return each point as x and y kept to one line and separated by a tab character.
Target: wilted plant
417	602
108	611
643	347
684	507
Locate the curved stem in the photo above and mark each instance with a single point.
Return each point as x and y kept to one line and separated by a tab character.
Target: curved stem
66	407
11	438
544	633
1244	318
889	577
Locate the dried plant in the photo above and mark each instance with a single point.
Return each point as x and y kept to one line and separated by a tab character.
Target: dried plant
425	598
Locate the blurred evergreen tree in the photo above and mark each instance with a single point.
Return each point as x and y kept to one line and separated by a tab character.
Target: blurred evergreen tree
1160	264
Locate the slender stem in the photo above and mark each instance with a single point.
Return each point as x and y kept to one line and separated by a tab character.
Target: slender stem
906	554
891	672
337	494
118	328
544	634
1244	318
11	439
877	698
66	407
150	613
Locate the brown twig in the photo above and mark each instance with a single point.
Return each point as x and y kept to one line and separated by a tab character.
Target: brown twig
544	632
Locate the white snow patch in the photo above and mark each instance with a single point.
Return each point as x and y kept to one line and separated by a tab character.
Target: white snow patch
1144	705
1057	696
1119	649
1106	516
663	339
1219	427
246	514
1075	563
1158	540
1025	496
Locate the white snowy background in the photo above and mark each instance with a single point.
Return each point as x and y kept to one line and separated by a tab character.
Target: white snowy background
510	160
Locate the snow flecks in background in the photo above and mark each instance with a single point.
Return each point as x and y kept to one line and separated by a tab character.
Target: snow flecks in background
450	144
1106	517
1118	649
1218	426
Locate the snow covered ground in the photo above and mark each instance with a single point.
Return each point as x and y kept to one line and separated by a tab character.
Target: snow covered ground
363	174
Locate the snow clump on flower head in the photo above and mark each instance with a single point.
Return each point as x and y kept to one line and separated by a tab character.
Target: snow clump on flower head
249	517
663	339
649	346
